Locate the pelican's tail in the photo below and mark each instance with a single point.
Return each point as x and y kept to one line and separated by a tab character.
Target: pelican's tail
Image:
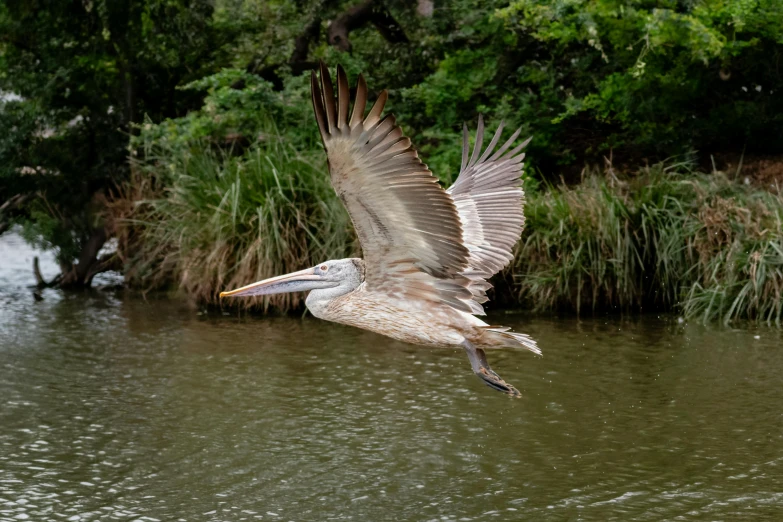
513	339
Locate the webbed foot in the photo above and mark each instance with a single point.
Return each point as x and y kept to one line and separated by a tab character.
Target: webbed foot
478	360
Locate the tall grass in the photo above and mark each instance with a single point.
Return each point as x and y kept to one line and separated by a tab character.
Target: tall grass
218	221
702	245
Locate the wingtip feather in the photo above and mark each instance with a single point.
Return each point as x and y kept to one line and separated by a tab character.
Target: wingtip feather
318	106
360	103
327	91
343	98
479	141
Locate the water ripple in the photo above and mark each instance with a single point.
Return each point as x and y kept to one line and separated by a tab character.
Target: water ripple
125	409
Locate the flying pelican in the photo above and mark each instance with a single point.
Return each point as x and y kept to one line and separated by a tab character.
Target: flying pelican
428	252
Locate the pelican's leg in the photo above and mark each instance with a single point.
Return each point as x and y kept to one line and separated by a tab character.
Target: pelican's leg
478	360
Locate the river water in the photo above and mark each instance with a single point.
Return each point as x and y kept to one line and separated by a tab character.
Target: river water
117	408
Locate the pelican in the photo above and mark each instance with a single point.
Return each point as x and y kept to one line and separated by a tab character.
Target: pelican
428	252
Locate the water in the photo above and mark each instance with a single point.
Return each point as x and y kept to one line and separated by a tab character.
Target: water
123	409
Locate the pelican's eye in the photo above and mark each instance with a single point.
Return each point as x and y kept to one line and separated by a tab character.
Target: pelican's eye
324	268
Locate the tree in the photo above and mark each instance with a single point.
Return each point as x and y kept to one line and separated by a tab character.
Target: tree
83	74
645	79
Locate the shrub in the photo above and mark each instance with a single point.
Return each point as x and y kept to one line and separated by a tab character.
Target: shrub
702	245
219	221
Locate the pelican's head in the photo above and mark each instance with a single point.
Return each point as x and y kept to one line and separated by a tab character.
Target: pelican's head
346	274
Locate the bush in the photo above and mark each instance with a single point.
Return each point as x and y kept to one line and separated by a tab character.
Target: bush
218	222
702	245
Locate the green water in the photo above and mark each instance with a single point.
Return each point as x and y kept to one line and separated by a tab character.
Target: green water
119	409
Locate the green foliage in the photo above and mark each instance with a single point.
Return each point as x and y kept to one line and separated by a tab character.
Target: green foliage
238	109
582	76
242	192
642	78
661	76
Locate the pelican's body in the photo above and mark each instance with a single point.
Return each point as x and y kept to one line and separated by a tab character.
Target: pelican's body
409	321
428	252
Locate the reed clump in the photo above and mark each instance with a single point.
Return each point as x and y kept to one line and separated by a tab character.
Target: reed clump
702	245
213	221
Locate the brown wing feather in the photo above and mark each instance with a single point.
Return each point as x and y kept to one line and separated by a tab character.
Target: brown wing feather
407	224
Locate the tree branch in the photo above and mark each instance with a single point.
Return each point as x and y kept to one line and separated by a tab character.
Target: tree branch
105	263
77	274
302	43
89	253
360	15
297	62
39	280
10	208
370	11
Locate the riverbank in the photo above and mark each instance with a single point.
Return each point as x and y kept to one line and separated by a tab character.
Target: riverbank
705	246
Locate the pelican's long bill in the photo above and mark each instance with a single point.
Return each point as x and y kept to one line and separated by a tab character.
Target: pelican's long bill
300	281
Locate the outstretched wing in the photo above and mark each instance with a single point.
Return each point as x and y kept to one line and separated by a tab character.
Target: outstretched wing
489	199
407	224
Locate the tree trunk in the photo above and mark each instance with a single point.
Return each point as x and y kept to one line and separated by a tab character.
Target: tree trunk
303	41
79	275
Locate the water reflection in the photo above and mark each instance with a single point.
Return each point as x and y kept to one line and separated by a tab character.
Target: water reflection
119	408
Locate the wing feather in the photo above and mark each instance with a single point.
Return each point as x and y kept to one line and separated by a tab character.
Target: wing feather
359	104
408	226
489	199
